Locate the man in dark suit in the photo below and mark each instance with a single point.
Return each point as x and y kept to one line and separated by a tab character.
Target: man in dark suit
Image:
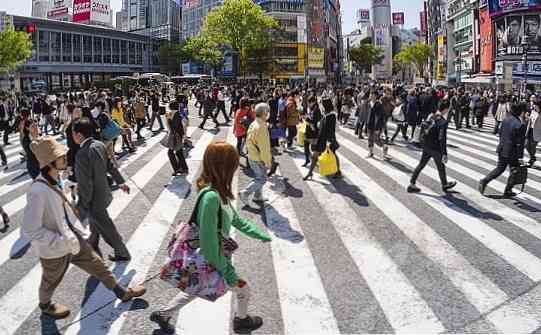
510	148
375	123
91	167
434	146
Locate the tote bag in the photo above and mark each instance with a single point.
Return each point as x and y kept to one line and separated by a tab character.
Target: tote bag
327	163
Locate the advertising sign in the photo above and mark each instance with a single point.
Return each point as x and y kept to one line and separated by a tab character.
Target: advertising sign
190	4
363	15
316	58
440	66
422	17
381	3
510	32
499	7
81	10
228	66
398	18
100	11
485	39
61	11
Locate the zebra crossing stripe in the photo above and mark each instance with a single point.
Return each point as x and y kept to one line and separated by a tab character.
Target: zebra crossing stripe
372	261
143	245
492	239
304	303
20	301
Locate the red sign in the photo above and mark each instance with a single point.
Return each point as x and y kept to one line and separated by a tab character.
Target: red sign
81	10
485	34
191	3
422	16
398	18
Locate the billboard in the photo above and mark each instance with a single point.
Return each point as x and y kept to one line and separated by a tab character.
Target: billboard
422	17
398	18
499	7
363	15
100	11
485	39
510	32
381	3
316	58
190	4
81	10
441	69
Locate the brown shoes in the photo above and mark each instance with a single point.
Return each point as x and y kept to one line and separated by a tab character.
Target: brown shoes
55	311
133	292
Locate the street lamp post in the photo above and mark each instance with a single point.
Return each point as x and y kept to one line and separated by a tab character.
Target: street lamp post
525	64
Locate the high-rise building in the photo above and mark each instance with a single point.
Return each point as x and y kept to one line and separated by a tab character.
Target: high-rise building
40	8
193	14
160	19
381	23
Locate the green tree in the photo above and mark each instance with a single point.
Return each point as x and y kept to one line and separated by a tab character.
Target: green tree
365	56
240	24
15	49
171	57
400	64
202	49
418	54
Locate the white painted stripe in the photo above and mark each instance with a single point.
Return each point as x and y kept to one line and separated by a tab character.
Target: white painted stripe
202	316
143	245
505	248
373	262
20	183
303	300
481	292
520	316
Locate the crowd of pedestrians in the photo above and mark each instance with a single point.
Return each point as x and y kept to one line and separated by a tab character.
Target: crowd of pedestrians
267	121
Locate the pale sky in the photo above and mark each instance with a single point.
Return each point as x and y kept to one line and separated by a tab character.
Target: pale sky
411	8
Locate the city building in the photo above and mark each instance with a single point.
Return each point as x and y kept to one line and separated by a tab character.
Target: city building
461	38
40	8
6	21
193	14
69	55
61	10
155	19
381	25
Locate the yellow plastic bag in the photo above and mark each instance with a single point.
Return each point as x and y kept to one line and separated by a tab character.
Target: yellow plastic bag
327	163
301	133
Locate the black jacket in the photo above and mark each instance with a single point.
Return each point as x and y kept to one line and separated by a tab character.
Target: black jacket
436	140
512	137
327	133
376	117
312	122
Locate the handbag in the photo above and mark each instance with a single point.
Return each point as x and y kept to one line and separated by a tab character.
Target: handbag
519	176
327	163
277	133
187	269
111	131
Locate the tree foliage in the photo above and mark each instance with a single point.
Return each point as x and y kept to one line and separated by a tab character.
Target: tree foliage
171	57
15	49
418	54
365	56
202	49
240	24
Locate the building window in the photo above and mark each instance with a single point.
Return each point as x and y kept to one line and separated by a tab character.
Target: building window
34	38
66	47
107	50
87	49
132	55
77	50
116	52
55	47
97	50
43	46
123	52
139	54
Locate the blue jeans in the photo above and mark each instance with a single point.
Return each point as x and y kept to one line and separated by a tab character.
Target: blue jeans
260	172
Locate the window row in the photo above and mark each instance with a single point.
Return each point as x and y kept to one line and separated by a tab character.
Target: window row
50	46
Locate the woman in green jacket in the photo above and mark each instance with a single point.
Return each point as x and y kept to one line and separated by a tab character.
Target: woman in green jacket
220	162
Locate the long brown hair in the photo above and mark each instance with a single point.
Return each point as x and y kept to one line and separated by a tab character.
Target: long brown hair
220	162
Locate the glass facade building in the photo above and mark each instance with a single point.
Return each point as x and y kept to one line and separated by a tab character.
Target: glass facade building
68	55
194	14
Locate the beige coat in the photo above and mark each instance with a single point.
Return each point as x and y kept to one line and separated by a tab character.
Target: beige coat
535	123
44	223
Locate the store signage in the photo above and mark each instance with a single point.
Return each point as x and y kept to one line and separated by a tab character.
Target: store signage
57	12
510	33
363	15
398	18
316	58
381	3
190	4
499	7
486	38
81	10
101	11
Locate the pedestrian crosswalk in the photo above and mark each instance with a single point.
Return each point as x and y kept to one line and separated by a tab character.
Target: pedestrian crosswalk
351	255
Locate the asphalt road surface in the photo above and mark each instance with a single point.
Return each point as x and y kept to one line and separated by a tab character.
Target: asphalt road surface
348	256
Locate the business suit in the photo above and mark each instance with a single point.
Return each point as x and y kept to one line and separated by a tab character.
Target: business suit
91	167
175	144
375	122
510	149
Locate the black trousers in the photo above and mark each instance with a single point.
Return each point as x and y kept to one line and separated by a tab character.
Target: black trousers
401	127
464	115
102	225
291	133
437	156
503	163
220	107
531	145
6	134
240	144
177	160
205	118
155	115
497	127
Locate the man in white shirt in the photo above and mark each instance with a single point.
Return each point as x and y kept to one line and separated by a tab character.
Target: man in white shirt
220	105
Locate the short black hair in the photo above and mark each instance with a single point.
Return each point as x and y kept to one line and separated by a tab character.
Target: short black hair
444	104
517	109
83	126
